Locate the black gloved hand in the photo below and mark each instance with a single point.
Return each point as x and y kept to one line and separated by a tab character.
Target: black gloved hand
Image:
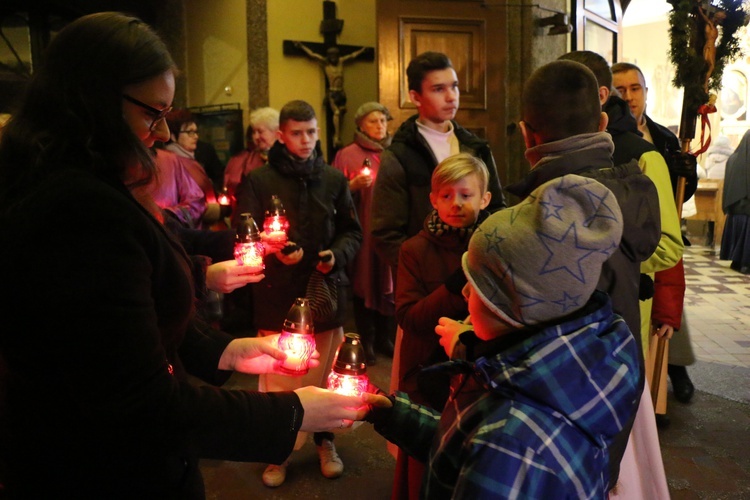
683	164
456	282
646	288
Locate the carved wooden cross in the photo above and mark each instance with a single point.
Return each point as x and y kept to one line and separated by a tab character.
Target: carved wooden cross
331	57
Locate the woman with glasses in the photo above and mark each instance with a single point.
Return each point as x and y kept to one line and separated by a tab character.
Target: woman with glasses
183	142
183	133
98	335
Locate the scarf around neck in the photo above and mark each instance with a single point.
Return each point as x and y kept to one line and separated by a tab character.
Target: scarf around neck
366	142
290	165
437	227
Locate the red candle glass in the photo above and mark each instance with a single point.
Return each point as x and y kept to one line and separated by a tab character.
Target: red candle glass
297	338
248	249
365	170
224	198
276	224
349	374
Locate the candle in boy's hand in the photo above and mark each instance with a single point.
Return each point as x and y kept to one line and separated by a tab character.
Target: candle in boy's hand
276	224
275	229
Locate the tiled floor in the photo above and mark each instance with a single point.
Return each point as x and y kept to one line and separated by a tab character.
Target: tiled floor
717	304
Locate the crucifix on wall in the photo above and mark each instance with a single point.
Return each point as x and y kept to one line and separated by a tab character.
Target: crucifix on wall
332	58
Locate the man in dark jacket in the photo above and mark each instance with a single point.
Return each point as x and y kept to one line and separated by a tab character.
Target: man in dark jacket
629	81
401	198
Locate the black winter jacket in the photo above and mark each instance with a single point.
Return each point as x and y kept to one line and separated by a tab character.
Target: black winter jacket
321	216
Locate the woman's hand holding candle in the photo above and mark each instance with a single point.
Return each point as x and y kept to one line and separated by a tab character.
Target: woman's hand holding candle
227	276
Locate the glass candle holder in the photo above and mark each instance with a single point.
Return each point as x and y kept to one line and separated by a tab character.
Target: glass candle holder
349	373
297	338
250	254
248	249
276	225
365	170
224	198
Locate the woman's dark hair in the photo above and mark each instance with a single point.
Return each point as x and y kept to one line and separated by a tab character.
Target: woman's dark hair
71	116
177	118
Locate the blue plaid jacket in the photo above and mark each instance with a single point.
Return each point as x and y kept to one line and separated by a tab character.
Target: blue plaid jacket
533	415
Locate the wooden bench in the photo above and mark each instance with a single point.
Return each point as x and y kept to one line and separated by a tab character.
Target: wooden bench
708	203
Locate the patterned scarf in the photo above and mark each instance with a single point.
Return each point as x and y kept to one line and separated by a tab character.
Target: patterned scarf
436	226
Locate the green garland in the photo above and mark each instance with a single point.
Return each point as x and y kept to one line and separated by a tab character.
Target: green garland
688	60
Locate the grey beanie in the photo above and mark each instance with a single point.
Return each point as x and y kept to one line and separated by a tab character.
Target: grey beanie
368	108
541	259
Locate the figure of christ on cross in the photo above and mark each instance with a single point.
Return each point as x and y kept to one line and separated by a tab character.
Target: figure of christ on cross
711	30
333	67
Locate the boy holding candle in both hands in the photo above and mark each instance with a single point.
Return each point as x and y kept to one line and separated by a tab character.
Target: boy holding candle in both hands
324	236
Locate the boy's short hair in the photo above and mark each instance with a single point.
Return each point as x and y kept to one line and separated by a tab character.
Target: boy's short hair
622	67
299	111
456	167
423	64
593	61
560	100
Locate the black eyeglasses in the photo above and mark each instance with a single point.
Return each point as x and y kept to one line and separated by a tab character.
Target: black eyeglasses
159	114
191	133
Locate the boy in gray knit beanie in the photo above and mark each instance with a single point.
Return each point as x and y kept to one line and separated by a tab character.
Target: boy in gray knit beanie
540	260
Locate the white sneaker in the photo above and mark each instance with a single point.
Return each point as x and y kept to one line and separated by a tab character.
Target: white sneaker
274	475
330	463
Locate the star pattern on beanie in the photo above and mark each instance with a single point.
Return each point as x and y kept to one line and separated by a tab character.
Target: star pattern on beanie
601	208
508	276
530	299
515	212
493	241
568	301
568	182
560	250
610	249
542	259
551	210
